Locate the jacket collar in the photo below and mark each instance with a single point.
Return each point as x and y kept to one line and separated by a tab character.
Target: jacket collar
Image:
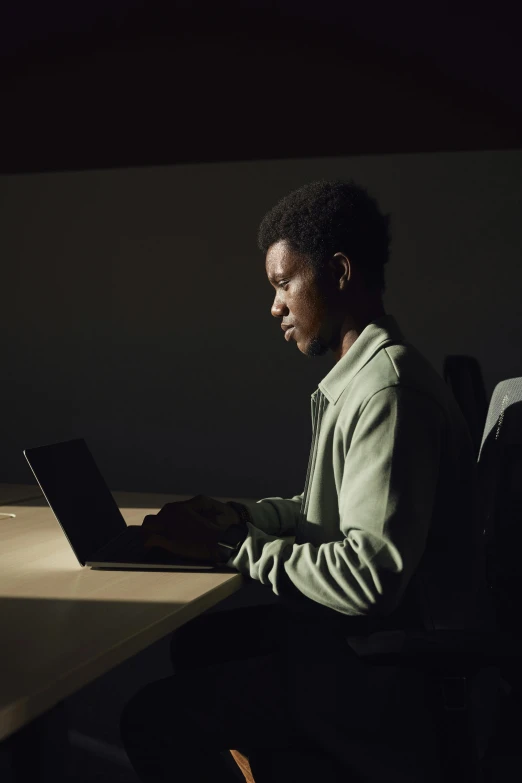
381	332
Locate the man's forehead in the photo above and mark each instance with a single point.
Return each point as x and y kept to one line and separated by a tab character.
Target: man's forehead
281	260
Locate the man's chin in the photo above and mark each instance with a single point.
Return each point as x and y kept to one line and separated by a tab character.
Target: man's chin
316	347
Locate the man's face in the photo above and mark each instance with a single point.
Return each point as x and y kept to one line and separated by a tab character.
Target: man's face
301	301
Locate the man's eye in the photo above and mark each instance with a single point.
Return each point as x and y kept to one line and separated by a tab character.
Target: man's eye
283	284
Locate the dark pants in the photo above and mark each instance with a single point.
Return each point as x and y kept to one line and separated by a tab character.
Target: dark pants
289	693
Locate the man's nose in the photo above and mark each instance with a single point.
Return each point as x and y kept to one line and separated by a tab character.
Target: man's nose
279	309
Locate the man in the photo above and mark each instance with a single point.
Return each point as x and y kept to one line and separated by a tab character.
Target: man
385	535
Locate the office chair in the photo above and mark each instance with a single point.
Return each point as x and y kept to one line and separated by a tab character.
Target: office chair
464	377
500	464
454	661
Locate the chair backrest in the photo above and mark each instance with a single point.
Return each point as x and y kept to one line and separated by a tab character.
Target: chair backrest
464	377
500	473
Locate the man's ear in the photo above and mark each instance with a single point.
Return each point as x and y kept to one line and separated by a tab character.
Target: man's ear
341	270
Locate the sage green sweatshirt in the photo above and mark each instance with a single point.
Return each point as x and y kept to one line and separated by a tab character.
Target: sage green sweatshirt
390	495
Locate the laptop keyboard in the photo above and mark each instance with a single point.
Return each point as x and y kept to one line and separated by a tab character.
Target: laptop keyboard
127	547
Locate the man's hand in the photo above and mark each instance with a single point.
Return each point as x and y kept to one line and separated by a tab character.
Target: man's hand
190	528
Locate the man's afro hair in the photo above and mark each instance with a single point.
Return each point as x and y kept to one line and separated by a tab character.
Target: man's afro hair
328	217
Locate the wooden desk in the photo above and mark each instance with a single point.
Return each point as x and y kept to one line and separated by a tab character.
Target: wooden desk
63	625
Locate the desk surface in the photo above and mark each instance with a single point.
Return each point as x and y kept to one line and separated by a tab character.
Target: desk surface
14	493
64	625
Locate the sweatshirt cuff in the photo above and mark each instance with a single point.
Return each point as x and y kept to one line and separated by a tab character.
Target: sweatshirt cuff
274	516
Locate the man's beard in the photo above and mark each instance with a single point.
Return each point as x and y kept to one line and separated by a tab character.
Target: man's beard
316	347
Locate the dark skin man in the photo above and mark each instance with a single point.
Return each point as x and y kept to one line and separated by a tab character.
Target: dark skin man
320	314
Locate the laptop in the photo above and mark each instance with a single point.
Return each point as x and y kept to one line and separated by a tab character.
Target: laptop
89	516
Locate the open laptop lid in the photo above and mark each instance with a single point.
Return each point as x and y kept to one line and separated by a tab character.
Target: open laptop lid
79	497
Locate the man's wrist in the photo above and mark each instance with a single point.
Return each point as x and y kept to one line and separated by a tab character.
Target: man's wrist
231	539
242	513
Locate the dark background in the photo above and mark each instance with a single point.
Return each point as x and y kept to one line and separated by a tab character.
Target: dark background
119	82
141	145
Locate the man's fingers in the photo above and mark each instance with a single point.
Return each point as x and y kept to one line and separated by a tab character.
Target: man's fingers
172	506
155	540
150	541
151	522
203	503
181	512
176	509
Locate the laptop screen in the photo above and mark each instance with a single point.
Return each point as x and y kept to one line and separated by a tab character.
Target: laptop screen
77	494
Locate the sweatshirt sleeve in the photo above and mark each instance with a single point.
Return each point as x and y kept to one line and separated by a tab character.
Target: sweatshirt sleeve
275	516
385	505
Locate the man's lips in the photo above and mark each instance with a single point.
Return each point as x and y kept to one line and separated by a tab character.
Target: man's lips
288	329
284	327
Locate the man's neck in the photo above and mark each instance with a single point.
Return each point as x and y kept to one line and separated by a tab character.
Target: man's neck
355	324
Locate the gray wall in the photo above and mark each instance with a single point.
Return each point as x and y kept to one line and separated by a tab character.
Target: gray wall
136	311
